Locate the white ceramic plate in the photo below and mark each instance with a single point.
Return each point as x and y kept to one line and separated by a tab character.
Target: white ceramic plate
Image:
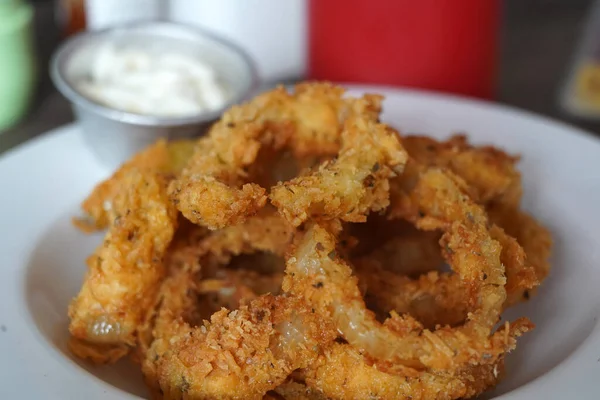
42	255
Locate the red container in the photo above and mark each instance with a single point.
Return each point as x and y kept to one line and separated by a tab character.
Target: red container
445	45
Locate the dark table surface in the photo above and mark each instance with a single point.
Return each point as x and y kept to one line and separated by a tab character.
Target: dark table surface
539	38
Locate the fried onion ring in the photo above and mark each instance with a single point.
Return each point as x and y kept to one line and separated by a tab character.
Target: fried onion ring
343	373
188	296
491	178
216	188
436	298
350	186
125	271
317	274
243	353
489	172
535	239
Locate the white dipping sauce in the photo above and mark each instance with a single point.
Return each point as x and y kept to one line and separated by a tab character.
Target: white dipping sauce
152	83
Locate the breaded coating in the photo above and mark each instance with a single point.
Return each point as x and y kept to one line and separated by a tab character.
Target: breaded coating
266	231
495	183
162	157
218	189
488	171
350	186
174	311
125	271
241	354
437	298
188	295
185	301
494	167
328	284
535	239
521	276
344	373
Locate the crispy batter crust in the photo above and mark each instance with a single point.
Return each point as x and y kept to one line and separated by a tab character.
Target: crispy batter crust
217	187
125	271
350	186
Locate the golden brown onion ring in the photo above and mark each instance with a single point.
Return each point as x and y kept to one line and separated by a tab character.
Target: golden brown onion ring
535	239
242	353
490	173
439	298
317	274
217	189
350	186
125	271
343	373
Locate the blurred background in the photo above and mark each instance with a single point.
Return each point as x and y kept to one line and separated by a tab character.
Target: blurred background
523	53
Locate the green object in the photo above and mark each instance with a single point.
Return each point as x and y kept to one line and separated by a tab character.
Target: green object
17	61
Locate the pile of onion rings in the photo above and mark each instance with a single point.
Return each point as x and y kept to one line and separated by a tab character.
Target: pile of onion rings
302	249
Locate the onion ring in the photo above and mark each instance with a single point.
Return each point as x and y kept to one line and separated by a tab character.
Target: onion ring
184	300
215	189
490	177
125	271
317	274
350	186
489	172
535	239
238	354
342	372
439	298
